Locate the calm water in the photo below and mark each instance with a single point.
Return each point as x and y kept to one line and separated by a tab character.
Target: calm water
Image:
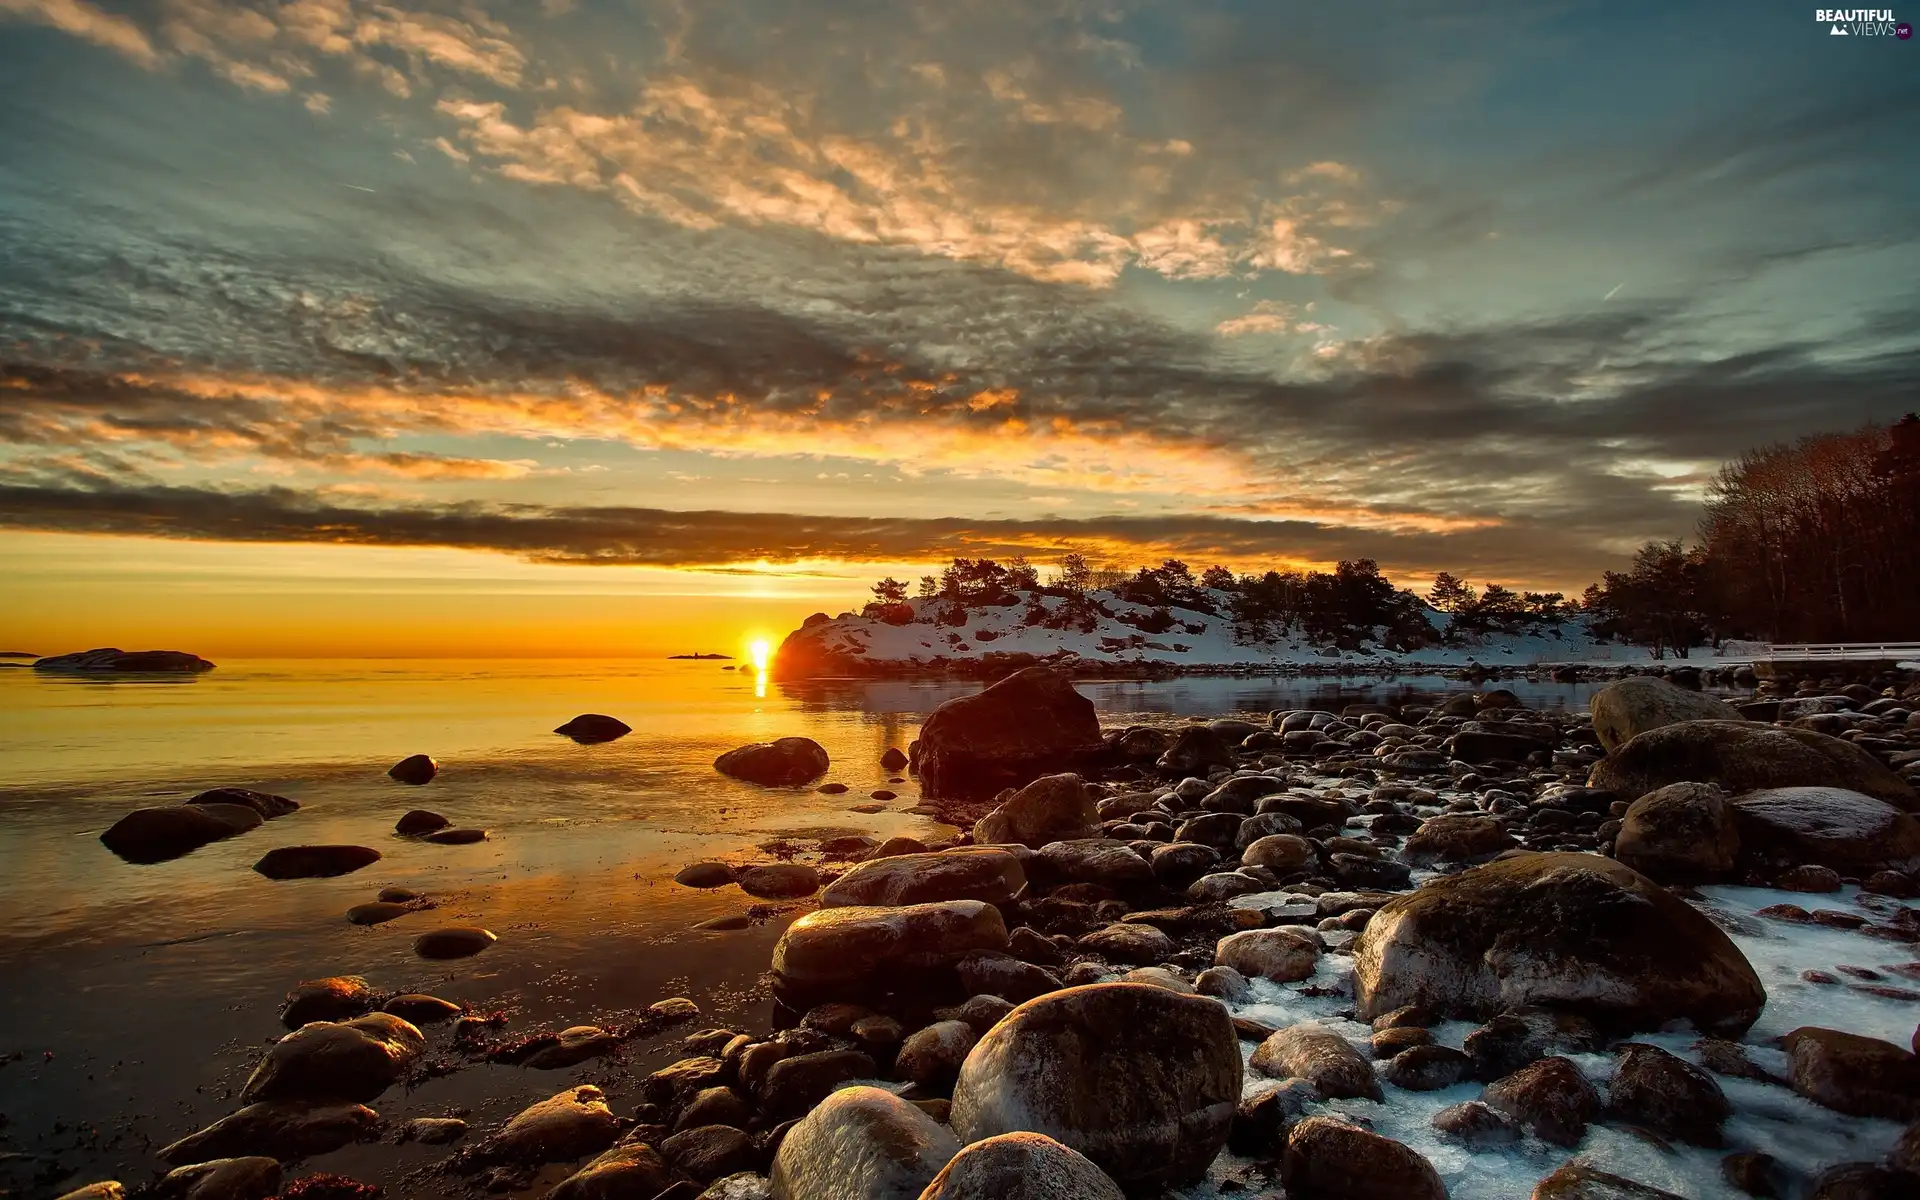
137	996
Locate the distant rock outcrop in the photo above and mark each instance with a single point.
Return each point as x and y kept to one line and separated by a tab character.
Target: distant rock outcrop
110	660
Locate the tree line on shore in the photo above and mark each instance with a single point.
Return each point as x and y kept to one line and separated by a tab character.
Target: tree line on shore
1817	541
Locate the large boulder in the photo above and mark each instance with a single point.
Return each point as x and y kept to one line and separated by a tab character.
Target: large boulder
963	873
1021	1166
1569	931
1681	833
337	1061
152	835
1849	831
1623	710
859	953
1140	1079
787	762
1743	757
864	1142
1028	724
1328	1159
1053	808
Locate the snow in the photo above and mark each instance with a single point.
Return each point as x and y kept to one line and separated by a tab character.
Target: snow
1198	640
1767	1117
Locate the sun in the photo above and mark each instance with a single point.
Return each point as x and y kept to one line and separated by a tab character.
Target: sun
760	650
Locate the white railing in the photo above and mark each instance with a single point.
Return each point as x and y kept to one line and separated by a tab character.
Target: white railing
1810	650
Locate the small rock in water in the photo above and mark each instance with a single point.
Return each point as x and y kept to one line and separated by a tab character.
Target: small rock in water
705	875
266	804
397	895
1311	1051
1668	1095
314	862
458	941
1859	1076
787	762
893	759
571	1047
456	837
1330	1159
435	1131
832	789
419	821
1550	1097
338	998
1476	1124
154	835
724	924
376	913
1577	1181
421	1010
780	881
415	769
591	728
324	1060
565	1126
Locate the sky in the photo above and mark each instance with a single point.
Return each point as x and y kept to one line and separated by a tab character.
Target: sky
608	326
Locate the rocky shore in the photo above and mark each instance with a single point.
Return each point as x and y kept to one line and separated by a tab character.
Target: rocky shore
1658	949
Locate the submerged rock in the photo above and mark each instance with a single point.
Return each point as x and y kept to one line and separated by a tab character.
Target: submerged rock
863	1142
1631	707
419	821
590	728
421	1010
455	837
153	835
1574	931
1139	1079
455	941
314	862
415	769
787	762
1026	725
377	912
266	804
965	873
1021	1166
346	1061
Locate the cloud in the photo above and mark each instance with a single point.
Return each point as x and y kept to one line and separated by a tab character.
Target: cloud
84	21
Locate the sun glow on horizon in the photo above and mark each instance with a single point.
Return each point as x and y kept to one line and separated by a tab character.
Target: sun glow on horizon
760	651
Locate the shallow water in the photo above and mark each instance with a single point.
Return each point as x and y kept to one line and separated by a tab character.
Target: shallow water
137	996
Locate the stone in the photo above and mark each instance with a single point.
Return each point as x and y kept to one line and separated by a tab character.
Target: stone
153	835
283	1129
435	1131
1197	749
1224	886
1632	706
1021	1166
418	821
626	1171
704	875
1831	827
983	873
110	659
1574	931
1668	1095
1097	860
857	953
1180	863
1052	808
249	1178
1862	1181
786	762
1327	1159
341	1061
455	941
861	1142
1029	724
1473	1123
591	728
1859	1076
415	769
1285	955
1310	1051
932	1056
708	1152
1681	833
797	1083
338	998
1743	757
780	881
1386	1043
988	973
1490	746
1754	1173
715	1106
1458	838
1519	1036
314	862
894	759
1549	1097
266	804
1141	1080
570	1047
1426	1068
981	1013
1577	1181
1281	853
565	1126
421	1010
456	837
1129	944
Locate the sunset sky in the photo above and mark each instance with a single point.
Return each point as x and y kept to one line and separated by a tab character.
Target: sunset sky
615	326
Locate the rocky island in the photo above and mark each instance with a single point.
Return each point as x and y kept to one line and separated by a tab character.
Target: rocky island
110	660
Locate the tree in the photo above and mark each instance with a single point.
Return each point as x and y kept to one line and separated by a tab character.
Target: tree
1021	575
1449	594
929	587
1656	603
1075	575
1219	578
890	591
